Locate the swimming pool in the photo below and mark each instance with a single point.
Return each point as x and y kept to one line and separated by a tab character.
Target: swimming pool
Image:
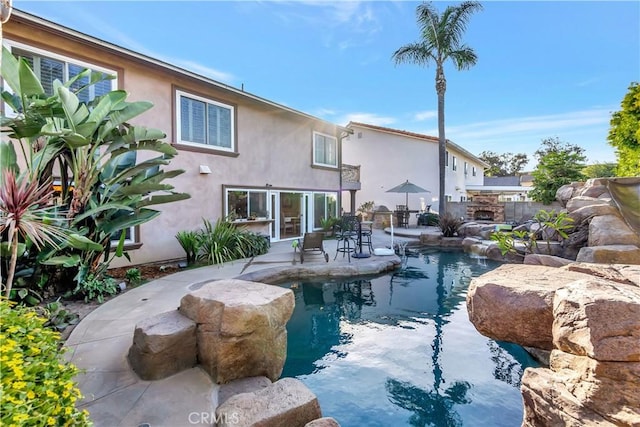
399	349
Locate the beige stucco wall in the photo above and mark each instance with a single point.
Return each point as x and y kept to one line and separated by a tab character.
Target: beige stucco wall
274	144
388	159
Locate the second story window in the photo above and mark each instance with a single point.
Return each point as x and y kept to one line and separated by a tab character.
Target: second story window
466	168
446	159
474	172
325	150
454	162
204	122
49	66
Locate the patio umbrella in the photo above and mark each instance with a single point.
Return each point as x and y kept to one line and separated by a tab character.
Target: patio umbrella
407	187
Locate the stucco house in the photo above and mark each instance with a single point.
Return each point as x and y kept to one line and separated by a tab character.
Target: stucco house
244	155
388	157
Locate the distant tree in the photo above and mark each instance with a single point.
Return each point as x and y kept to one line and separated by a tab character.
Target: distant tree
559	163
624	133
600	170
441	40
507	164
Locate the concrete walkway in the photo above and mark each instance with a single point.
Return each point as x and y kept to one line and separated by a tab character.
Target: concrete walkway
99	344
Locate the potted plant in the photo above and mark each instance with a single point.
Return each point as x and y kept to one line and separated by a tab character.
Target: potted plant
365	210
327	225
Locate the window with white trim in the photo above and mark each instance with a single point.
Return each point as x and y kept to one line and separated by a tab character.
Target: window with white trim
466	168
454	162
325	150
201	121
48	67
446	159
474	172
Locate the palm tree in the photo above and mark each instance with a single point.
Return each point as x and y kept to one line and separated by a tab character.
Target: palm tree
441	41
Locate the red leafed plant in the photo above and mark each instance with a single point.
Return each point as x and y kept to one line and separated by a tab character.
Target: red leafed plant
26	210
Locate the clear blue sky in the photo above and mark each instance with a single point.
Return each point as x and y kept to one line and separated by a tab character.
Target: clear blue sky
545	69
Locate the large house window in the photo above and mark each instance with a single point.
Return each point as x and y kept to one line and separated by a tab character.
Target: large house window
244	204
48	67
325	150
202	121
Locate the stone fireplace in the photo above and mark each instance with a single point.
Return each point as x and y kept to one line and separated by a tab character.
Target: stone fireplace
485	207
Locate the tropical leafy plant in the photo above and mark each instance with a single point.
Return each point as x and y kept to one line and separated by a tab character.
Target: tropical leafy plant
441	41
549	223
624	134
57	316
26	211
91	150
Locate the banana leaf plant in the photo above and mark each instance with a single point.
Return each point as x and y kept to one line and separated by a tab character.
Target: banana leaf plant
91	150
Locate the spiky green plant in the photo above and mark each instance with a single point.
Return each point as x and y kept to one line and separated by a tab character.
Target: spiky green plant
26	211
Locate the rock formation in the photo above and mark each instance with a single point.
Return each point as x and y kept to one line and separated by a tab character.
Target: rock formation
589	316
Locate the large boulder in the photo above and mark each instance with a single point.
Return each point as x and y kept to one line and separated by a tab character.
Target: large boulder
619	273
579	391
587	212
285	403
598	319
515	303
611	254
548	260
163	345
611	230
582	201
241	328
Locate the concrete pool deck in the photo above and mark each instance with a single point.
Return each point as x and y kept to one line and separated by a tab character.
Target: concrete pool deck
115	396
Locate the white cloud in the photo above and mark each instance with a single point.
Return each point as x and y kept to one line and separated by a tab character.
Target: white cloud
554	124
368	118
425	115
110	33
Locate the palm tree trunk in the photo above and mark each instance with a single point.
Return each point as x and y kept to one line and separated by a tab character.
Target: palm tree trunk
441	87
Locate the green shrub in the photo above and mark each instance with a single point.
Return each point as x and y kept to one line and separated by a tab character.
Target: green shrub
36	385
133	276
225	242
449	224
96	287
190	242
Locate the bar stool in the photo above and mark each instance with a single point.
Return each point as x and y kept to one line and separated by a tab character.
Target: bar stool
347	236
367	232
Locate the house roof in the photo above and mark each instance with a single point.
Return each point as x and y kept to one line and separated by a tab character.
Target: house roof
423	137
19	15
501	181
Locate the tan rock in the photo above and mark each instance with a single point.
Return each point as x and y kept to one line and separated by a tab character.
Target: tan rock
548	260
619	273
611	254
565	193
586	212
285	403
163	345
548	402
241	328
515	303
323	422
611	389
599	319
611	230
582	201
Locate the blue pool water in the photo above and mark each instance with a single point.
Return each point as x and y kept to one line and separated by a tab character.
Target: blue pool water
399	350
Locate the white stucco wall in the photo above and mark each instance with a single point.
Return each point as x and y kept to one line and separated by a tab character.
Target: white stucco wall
389	158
